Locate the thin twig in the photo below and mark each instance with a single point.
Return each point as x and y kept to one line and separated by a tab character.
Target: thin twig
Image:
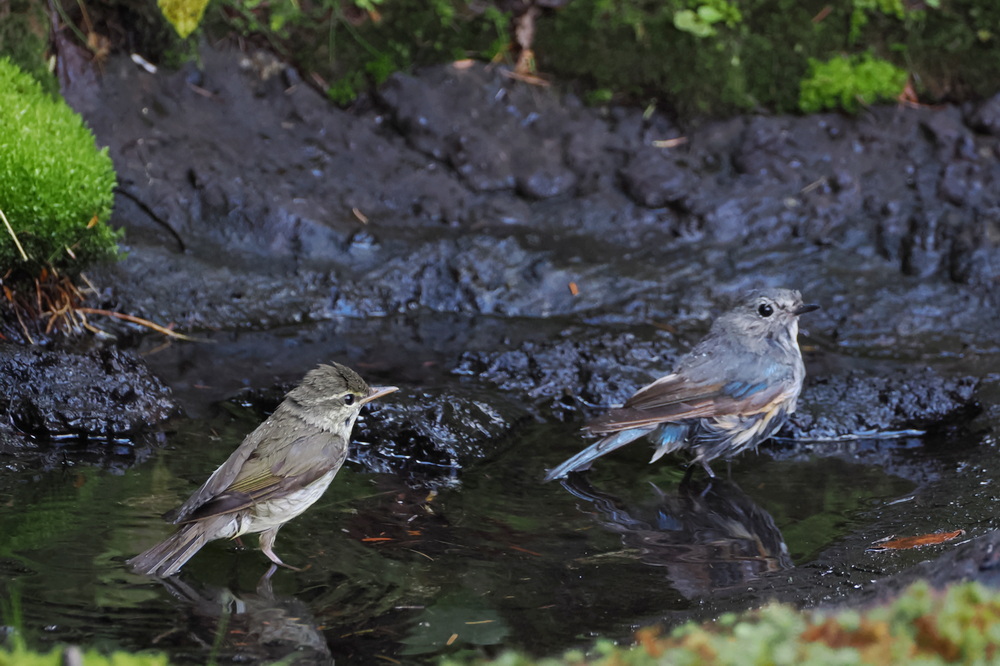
142	322
10	230
24	328
90	285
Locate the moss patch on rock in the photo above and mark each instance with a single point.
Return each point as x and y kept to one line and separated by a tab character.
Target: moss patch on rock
56	187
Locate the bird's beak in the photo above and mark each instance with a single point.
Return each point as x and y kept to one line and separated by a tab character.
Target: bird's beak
376	392
802	309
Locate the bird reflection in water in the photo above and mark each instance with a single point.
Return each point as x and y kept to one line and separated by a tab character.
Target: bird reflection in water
250	627
710	536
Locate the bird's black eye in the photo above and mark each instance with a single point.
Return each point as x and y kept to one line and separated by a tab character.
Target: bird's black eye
349	399
765	310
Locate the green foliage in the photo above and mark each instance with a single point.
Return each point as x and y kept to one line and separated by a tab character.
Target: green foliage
24	36
186	15
359	44
859	14
24	657
848	83
694	57
688	53
700	20
56	188
922	626
682	55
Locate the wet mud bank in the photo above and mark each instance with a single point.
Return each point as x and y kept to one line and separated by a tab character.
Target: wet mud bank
516	261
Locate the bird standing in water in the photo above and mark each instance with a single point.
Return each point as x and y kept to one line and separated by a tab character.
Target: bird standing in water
279	471
735	389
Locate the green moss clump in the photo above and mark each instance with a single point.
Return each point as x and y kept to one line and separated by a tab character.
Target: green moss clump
848	83
959	625
56	187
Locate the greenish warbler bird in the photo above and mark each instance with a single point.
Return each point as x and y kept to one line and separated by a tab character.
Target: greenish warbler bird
279	471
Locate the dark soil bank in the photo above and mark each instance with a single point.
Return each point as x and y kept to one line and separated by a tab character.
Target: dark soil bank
515	260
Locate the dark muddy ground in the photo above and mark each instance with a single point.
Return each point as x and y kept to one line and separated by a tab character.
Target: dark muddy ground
514	261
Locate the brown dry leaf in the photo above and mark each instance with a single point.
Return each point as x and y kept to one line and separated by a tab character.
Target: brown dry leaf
905	543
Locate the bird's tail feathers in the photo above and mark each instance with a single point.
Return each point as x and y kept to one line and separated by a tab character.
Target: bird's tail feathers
167	557
582	460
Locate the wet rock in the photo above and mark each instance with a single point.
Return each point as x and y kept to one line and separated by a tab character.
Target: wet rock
962	184
858	403
925	245
574	372
432	435
986	118
655	180
974	257
964	245
948	132
490	132
542	174
104	394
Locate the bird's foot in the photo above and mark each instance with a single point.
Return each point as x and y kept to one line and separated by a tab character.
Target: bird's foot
267	547
277	561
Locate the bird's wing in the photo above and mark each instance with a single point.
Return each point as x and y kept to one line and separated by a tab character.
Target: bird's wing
266	487
245	478
222	477
686	396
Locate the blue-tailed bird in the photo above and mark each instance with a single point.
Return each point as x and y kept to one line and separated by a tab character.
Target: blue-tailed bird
732	391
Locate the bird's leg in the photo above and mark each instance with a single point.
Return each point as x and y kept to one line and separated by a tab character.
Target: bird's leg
704	463
267	538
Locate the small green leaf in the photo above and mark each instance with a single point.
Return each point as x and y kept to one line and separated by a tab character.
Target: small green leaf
709	14
688	21
184	15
